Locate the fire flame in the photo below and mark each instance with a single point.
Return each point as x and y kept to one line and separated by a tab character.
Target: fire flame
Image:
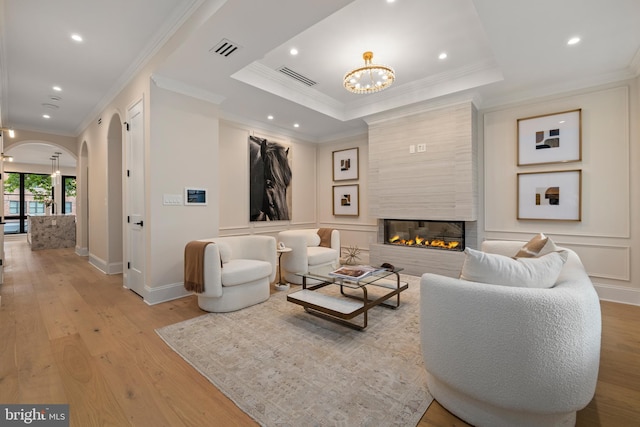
421	241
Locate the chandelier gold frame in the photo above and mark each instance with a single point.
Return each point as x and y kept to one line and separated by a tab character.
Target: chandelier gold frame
370	78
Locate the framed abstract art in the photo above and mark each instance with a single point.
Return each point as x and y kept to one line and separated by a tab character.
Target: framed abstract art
550	138
550	195
345	164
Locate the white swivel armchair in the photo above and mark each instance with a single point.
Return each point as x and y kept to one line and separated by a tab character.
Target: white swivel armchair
307	253
238	272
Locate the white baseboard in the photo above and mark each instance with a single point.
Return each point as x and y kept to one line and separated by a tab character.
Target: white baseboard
102	265
159	294
115	268
82	251
98	263
618	294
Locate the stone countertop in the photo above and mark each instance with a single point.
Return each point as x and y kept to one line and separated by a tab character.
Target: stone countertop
52	231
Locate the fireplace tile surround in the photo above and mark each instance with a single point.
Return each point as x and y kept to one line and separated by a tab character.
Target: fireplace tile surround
437	184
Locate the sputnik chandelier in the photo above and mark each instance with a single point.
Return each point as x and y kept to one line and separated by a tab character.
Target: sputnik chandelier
370	78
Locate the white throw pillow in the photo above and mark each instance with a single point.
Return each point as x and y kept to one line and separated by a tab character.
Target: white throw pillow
497	269
538	246
225	251
313	239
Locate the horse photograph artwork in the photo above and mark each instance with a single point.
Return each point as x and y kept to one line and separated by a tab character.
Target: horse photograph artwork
269	180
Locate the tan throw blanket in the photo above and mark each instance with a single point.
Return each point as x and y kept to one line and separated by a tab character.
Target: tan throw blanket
194	266
325	236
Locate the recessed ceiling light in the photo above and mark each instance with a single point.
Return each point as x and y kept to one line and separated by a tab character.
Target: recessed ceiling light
293	51
443	55
76	37
390	1
57	88
573	40
46	116
270	117
296	125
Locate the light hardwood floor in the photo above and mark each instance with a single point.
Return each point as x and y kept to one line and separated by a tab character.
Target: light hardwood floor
70	334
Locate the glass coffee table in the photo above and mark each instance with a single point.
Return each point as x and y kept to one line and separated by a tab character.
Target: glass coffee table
355	298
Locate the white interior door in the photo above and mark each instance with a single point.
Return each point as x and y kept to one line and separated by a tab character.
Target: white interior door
134	188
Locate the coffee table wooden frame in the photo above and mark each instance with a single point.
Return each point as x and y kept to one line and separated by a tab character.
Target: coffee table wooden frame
342	309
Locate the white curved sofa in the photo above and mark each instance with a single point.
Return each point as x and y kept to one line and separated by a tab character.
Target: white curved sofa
306	252
244	276
512	356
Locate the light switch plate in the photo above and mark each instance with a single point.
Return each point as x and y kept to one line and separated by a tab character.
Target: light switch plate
172	200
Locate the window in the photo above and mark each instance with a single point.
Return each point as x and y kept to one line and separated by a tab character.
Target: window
69	195
36	208
24	194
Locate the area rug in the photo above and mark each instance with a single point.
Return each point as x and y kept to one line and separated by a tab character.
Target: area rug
286	367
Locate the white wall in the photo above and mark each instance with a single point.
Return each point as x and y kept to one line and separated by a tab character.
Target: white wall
311	187
603	238
357	231
95	136
183	153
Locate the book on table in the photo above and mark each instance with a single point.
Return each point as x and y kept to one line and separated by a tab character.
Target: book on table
354	272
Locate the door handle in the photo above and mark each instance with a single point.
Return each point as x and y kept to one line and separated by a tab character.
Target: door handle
141	223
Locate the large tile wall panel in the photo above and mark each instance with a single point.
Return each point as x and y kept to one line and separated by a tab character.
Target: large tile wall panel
439	183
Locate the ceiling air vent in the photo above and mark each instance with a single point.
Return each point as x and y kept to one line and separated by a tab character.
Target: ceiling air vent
50	106
225	48
299	77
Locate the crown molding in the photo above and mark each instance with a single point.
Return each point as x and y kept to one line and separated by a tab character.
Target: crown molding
163	34
424	106
186	89
538	91
263	77
460	80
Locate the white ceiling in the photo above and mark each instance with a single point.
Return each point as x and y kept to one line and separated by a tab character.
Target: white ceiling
498	51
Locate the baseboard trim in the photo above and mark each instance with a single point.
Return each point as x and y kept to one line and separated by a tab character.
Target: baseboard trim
82	251
618	294
115	268
160	294
102	265
98	263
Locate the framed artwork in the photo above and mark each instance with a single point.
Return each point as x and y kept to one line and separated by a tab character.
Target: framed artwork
550	195
346	200
551	138
195	196
345	164
270	180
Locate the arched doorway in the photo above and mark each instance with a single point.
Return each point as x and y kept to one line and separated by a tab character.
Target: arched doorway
82	238
34	182
114	194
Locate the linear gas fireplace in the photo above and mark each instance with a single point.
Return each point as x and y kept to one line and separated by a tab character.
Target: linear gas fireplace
426	234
